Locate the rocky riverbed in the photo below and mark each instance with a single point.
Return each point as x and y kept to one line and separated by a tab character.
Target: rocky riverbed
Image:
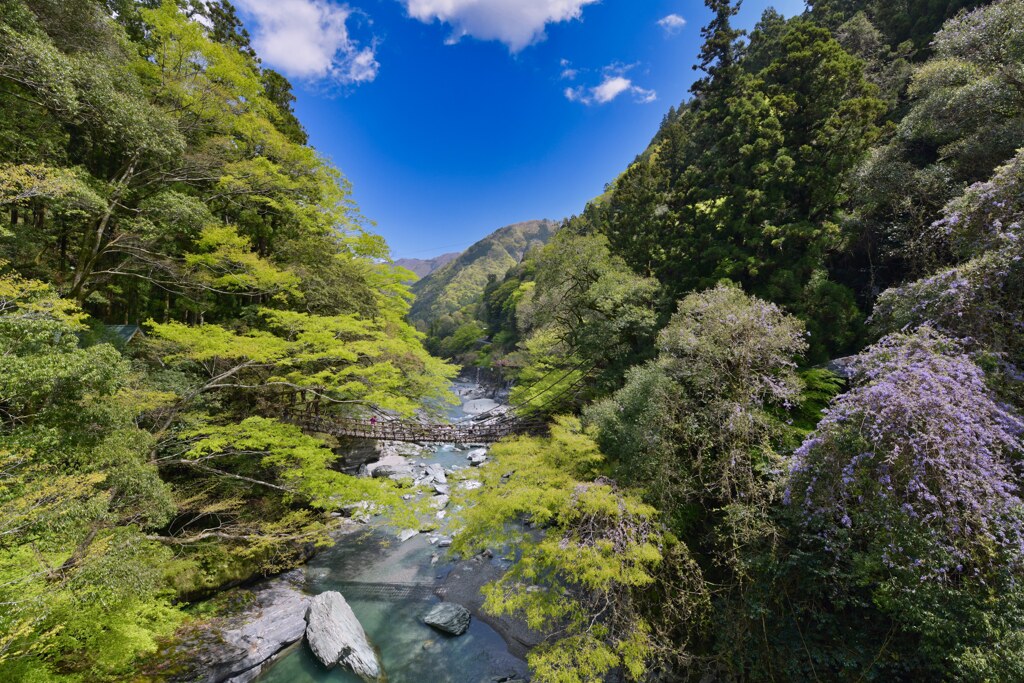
392	579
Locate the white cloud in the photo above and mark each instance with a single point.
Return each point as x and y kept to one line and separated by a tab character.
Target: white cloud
610	88
516	23
614	84
672	24
642	95
309	39
568	72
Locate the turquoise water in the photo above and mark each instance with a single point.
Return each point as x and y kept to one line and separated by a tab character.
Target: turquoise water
390	587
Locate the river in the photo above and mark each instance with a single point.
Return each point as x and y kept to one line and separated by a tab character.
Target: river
390	586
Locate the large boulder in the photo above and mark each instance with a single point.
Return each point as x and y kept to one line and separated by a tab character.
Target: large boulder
236	647
337	638
354	454
448	617
391	466
437	472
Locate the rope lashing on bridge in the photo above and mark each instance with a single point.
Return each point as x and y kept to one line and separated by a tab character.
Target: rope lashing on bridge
468	431
525	400
411	431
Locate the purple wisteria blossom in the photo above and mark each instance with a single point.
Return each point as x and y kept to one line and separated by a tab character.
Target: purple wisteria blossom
915	462
980	301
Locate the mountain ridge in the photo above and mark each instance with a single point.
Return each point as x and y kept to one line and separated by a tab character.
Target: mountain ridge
460	282
424	267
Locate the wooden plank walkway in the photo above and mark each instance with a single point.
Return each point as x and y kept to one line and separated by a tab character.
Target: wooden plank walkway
411	431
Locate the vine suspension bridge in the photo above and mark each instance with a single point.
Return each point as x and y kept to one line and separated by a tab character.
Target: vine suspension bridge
485	428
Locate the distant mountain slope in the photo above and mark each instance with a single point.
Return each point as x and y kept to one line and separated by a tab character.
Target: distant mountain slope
460	282
424	267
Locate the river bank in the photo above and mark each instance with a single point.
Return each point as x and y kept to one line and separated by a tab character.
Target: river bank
390	577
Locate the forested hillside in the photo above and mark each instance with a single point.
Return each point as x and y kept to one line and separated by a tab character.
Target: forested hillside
831	221
152	173
780	359
446	300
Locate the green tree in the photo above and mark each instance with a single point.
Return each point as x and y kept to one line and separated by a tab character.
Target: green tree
966	117
586	315
84	590
150	170
749	182
599	561
701	434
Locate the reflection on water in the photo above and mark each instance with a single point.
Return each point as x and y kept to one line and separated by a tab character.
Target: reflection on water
390	587
410	650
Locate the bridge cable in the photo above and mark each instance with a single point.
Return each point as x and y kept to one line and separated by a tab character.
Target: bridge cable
523	401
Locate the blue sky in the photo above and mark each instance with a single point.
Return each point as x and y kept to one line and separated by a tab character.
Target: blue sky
452	118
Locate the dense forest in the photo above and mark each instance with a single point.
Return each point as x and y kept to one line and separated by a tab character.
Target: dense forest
780	357
447	305
152	172
831	222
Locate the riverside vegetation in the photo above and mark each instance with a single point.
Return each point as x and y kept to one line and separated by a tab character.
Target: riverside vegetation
846	183
151	170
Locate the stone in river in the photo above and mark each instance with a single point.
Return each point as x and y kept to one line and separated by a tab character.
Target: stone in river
437	472
392	466
236	647
337	638
448	617
405	535
392	472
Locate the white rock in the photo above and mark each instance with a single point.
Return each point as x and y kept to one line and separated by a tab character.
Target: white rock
336	637
439	502
406	534
392	465
471	484
245	643
362	510
437	472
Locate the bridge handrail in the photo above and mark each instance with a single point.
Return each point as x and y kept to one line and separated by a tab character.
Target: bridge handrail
402	430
